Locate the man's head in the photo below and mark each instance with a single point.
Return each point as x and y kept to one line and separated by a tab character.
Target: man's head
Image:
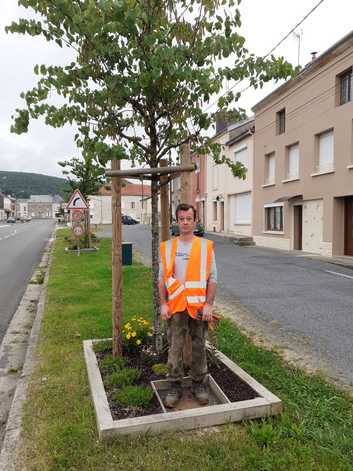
186	218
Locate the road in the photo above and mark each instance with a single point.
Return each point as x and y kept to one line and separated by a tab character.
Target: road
21	246
303	302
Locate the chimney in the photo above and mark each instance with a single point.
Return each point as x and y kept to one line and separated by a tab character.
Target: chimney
221	121
313	55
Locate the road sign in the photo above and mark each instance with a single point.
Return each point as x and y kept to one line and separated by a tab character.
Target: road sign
77	215
77	201
77	230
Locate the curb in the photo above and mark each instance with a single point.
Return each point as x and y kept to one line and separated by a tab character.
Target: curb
9	447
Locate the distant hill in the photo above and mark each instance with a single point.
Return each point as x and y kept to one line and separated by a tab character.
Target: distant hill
23	184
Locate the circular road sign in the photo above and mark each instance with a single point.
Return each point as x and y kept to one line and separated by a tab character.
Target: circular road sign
78	215
78	231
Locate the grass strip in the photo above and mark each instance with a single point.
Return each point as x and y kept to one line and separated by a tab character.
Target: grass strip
315	432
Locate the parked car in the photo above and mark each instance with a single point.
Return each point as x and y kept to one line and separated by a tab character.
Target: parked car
11	220
199	230
125	219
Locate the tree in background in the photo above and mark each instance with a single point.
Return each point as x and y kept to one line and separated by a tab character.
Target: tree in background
143	75
85	174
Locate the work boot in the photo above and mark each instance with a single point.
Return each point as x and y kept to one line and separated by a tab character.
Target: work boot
200	393
172	397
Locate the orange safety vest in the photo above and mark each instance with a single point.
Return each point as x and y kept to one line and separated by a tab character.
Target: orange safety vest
191	295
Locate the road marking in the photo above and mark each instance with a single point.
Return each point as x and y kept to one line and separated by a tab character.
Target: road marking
8	235
339	274
5	225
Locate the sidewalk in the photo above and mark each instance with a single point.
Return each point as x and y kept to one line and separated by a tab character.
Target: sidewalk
341	260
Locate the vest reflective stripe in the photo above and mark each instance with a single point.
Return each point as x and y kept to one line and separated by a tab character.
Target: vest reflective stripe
195	284
196	299
176	293
203	261
170	281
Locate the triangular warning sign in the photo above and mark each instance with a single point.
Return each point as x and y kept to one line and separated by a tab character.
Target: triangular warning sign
77	201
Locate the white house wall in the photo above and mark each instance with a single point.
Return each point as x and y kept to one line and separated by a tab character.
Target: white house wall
312	226
221	182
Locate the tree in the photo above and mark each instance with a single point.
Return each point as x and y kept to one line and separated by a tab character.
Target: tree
144	71
88	174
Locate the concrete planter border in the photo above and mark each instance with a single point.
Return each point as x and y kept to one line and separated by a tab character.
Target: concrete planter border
75	251
266	405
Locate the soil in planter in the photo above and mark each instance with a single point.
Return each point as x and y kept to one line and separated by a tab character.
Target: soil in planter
233	387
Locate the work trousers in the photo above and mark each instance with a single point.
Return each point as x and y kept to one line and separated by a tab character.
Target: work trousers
178	326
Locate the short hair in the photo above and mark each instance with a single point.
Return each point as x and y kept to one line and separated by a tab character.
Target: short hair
185	207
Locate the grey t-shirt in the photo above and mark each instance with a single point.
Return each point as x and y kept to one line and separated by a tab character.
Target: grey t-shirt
182	256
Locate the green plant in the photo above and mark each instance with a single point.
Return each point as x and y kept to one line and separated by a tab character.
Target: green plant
111	363
136	333
160	369
123	377
102	346
133	396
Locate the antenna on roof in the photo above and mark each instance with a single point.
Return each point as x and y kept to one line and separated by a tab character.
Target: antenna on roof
298	34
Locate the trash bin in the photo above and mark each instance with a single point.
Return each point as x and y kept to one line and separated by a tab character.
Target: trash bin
127	253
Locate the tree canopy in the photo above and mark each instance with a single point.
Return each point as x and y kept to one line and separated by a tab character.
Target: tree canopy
144	71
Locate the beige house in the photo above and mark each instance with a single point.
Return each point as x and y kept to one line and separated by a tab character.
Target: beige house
229	199
303	167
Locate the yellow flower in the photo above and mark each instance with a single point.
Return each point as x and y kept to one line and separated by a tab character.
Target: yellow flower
133	334
150	334
128	336
138	342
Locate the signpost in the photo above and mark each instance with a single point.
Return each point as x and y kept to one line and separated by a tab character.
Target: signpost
79	212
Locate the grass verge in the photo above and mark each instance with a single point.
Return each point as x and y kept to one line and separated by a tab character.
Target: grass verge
315	432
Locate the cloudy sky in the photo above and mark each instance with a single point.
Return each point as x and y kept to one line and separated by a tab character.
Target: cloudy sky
265	23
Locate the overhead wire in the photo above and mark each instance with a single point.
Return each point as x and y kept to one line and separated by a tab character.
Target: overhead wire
267	54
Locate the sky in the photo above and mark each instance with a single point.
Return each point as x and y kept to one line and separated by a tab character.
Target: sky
264	24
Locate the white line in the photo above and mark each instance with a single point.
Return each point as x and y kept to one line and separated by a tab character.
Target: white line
5	225
339	274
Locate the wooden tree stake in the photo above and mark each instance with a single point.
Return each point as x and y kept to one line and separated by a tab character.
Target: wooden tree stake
117	313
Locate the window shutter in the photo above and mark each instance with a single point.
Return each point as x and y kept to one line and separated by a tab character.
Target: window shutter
242	208
326	151
293	161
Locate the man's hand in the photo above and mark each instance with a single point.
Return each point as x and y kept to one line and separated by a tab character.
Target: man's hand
207	312
165	312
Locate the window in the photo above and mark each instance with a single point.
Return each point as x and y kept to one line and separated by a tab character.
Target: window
281	121
292	161
132	204
215	210
242	208
274	218
241	156
345	87
325	152
270	168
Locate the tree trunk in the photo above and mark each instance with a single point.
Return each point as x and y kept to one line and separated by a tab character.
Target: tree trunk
164	204
155	264
116	262
186	197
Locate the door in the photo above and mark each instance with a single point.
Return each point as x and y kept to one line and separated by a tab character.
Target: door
222	216
348	233
298	227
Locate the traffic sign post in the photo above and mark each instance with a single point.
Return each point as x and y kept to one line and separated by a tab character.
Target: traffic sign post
79	215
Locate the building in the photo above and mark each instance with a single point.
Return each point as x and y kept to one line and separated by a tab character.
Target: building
7	206
44	206
229	199
303	170
135	202
22	208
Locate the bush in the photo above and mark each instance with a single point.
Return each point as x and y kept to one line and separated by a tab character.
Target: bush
123	377
111	363
160	369
133	396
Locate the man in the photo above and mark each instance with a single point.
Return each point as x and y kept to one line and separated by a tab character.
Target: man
187	288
